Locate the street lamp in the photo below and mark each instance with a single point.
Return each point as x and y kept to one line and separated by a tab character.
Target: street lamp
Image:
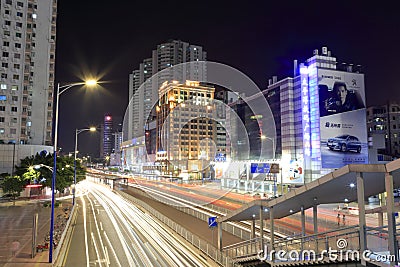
53	180
264	137
78	131
38	166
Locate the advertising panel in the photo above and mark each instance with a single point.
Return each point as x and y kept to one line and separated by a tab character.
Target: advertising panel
342	118
293	171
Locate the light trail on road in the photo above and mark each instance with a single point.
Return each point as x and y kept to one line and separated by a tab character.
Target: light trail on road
117	233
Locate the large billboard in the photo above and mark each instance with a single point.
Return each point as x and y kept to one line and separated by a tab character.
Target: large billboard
343	127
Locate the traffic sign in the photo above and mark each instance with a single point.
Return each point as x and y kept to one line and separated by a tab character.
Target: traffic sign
212	222
259	167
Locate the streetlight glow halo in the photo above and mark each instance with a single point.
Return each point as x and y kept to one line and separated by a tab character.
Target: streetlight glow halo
91	82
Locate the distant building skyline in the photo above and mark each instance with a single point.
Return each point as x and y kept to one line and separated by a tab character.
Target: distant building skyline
166	55
385	119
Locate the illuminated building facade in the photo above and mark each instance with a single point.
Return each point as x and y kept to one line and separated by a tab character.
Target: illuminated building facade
320	118
28	40
186	129
107	137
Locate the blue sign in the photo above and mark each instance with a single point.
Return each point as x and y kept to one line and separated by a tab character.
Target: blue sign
212	222
260	168
220	157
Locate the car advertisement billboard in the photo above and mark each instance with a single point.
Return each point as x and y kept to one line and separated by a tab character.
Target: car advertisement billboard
343	128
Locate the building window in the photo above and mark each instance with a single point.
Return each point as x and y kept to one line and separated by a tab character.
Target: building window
2	108
2	119
20	4
14	87
18	24
4	65
1	130
3	86
7	33
5	54
9	2
5	43
18	34
17	45
14	109
4	75
20	14
15	76
8	23
13	131
14	98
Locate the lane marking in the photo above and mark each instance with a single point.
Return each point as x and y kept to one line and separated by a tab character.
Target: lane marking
85	230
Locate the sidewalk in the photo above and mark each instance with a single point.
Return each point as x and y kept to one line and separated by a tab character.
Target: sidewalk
16	223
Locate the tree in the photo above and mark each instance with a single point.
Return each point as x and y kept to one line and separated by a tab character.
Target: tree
39	169
13	185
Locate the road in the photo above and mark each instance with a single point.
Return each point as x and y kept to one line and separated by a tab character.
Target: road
110	231
227	200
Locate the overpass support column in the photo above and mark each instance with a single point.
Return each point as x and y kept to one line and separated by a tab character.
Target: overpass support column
272	231
393	250
261	227
315	218
253	229
380	219
361	218
219	226
303	226
315	223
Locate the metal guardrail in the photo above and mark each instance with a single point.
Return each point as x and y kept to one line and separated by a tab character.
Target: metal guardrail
318	243
60	252
229	227
207	248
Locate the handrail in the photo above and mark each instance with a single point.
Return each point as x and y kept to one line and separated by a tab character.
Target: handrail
294	237
256	239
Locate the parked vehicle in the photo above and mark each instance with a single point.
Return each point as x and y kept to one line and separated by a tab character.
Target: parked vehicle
396	193
344	143
347	210
6	197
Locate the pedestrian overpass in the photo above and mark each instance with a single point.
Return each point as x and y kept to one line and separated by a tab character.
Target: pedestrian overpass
348	184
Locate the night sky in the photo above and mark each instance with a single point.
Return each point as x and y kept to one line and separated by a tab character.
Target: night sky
260	38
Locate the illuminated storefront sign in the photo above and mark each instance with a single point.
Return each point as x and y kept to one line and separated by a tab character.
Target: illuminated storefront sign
305	109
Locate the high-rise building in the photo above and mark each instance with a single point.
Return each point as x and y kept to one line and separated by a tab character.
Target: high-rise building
319	115
28	35
385	119
106	145
166	55
186	128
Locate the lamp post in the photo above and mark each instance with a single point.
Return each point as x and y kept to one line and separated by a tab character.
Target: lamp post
78	131
263	137
53	180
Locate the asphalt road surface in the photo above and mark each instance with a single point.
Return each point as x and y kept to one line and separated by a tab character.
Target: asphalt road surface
110	231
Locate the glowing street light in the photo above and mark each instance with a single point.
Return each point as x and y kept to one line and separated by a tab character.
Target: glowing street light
78	131
63	88
263	137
